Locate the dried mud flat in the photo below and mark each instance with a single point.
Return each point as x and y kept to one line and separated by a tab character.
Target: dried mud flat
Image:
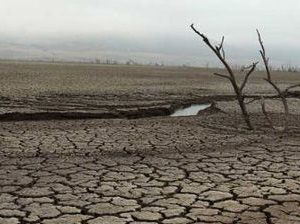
59	91
160	170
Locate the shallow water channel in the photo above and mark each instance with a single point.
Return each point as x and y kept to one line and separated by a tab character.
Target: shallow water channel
190	111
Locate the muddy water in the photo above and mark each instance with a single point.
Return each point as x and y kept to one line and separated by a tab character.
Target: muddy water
190	111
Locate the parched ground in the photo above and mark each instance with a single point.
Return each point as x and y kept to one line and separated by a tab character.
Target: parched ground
102	89
158	170
162	170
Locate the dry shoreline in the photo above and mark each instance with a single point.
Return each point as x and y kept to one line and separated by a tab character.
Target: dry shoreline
41	112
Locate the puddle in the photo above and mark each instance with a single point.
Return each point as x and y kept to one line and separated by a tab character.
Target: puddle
190	111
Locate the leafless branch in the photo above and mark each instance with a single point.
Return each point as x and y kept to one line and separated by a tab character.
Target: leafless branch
220	53
263	54
216	51
263	106
251	101
280	93
222	42
291	87
205	39
263	51
220	48
223	53
222	76
253	66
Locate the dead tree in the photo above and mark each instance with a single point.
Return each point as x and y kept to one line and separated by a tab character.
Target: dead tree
282	94
238	89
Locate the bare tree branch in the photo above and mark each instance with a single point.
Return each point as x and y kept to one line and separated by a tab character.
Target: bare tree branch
291	87
238	89
281	94
223	53
217	53
263	54
205	39
253	66
220	53
222	42
222	76
251	101
263	106
220	48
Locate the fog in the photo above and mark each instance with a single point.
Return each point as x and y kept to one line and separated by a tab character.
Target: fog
148	30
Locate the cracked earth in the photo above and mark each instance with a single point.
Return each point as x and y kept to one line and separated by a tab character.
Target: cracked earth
148	171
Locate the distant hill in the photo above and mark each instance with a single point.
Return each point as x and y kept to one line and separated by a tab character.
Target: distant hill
163	51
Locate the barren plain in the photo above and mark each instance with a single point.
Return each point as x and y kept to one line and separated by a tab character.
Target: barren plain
93	144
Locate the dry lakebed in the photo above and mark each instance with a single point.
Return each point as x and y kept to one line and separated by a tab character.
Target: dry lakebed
103	144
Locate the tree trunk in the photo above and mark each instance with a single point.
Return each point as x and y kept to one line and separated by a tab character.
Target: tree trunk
245	112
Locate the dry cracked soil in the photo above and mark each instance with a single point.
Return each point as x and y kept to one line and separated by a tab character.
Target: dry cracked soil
159	170
156	170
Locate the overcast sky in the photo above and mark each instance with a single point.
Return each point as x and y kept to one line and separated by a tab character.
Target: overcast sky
157	23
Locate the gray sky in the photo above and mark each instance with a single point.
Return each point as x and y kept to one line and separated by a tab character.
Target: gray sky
153	27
